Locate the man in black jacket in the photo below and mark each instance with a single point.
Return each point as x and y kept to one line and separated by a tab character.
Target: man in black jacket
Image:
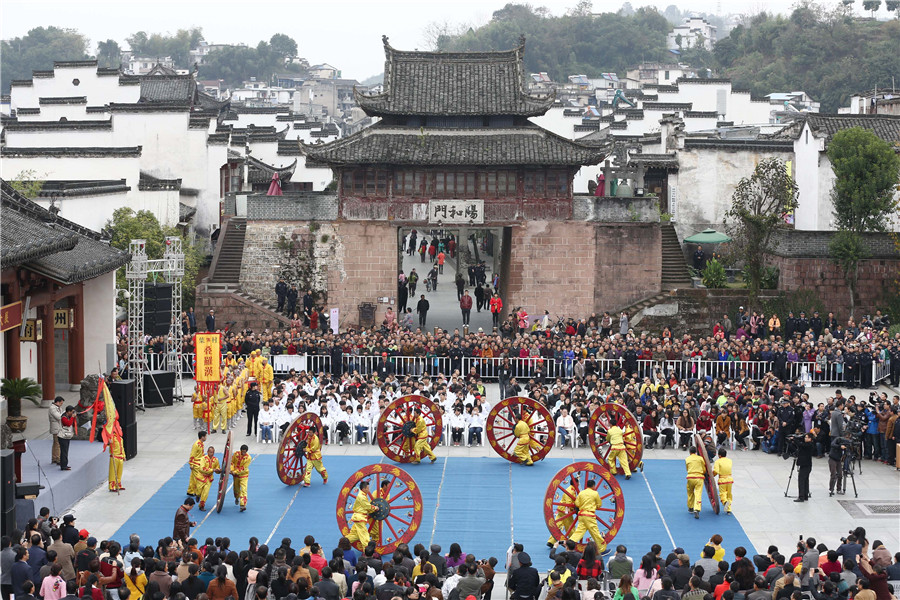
439	562
251	400
281	290
805	451
422	308
292	295
211	320
525	583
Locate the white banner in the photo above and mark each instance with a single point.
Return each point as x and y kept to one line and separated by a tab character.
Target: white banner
456	211
283	363
334	320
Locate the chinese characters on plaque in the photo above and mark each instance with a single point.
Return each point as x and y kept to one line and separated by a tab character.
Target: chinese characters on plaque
456	211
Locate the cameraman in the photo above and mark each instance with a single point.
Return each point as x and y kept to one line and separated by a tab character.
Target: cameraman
836	457
805	450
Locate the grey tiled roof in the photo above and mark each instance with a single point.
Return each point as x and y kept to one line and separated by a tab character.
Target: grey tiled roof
260	172
887	127
168	88
45	243
382	144
453	83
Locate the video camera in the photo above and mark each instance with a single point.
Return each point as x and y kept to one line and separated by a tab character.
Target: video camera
790	445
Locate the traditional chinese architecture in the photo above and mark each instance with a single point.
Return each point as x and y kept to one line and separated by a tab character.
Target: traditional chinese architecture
454	149
59	278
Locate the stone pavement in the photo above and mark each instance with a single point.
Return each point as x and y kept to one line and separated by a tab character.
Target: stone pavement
768	517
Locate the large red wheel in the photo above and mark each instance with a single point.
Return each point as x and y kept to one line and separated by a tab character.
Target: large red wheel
605	416
226	470
709	481
291	452
398	500
559	501
395	434
501	423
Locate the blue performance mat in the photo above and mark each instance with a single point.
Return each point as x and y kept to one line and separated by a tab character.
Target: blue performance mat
465	500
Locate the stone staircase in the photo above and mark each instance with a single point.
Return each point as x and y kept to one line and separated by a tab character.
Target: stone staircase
633	309
225	270
675	272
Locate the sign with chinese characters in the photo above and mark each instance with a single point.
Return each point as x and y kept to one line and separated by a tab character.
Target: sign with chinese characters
10	316
62	318
209	359
34	330
460	212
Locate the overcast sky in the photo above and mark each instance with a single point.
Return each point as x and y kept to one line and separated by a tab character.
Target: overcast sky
344	34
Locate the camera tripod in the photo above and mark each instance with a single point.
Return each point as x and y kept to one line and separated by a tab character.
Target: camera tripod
790	477
847	469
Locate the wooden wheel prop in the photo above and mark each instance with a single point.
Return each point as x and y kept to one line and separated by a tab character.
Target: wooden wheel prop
709	481
501	422
559	501
226	471
292	450
399	506
605	416
395	431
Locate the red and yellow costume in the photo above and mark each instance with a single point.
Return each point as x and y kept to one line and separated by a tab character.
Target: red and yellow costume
587	502
616	439
362	508
524	443
195	461
723	468
314	459
112	436
423	444
696	473
266	377
220	409
209	466
240	469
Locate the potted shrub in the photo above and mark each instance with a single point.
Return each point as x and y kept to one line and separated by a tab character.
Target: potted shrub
16	390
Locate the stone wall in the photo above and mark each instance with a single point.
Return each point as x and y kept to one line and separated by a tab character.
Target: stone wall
309	206
232	308
826	279
628	264
814	244
579	268
615	210
695	311
350	262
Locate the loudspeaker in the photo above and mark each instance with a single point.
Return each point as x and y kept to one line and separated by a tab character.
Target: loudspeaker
122	393
8	520
129	439
157	308
158	388
7	463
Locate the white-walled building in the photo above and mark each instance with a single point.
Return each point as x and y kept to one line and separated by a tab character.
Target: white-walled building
106	140
692	32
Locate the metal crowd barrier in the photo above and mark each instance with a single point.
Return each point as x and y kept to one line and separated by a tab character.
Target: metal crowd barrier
551	368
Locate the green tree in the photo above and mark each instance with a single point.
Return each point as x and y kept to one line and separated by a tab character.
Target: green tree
109	54
236	64
758	206
127	225
283	45
893	6
866	171
156	45
37	50
871	6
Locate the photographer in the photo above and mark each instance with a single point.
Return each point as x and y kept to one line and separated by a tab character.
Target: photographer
805	450
836	458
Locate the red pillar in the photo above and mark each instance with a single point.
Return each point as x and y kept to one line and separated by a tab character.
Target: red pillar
12	344
48	354
76	338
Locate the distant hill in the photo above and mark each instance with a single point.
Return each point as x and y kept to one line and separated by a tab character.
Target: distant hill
829	54
373	80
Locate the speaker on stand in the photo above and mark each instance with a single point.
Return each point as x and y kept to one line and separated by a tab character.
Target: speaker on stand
8	510
122	393
159	388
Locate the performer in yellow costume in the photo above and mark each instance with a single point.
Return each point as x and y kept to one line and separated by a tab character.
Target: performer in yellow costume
112	437
209	466
616	439
313	459
587	502
253	364
240	469
524	443
197	409
195	461
696	473
266	378
565	511
723	469
362	508
423	444
230	362
220	409
374	524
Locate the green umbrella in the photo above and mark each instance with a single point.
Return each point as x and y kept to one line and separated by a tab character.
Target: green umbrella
707	236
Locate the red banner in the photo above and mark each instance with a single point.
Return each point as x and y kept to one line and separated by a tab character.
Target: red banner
208	370
10	316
